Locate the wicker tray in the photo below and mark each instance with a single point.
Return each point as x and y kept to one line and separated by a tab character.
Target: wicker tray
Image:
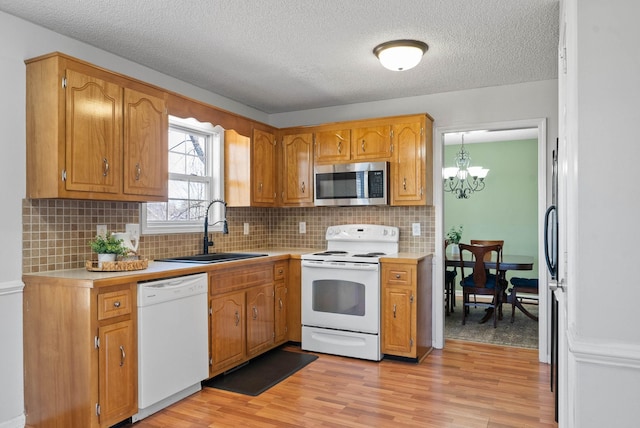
117	266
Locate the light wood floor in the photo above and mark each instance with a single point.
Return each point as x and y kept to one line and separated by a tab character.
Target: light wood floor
465	385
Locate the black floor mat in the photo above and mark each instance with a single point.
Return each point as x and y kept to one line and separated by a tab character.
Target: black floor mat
262	372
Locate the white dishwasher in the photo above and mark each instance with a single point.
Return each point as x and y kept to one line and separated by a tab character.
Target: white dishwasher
173	356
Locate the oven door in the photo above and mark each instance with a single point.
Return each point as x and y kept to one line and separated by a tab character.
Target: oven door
341	295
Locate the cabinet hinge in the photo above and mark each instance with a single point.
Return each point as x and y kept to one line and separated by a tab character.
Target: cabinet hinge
421	131
391	149
210	310
391	133
274	335
421	189
411	343
64	175
210	361
96	342
64	83
411	299
97	409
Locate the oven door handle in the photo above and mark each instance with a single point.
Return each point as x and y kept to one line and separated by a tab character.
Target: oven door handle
339	265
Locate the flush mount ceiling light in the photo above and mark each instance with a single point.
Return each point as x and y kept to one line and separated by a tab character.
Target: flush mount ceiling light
400	55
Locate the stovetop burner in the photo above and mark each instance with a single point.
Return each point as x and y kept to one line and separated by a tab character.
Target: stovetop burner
331	253
378	254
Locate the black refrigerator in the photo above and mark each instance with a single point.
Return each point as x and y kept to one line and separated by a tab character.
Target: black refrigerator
551	257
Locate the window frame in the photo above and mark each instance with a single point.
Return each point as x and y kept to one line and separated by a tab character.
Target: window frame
215	134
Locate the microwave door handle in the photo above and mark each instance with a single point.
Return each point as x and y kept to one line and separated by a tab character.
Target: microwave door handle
365	178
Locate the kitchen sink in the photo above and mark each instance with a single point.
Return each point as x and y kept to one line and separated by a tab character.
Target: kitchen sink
211	258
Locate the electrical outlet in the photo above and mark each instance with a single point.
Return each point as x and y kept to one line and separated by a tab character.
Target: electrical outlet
246	228
101	230
133	229
302	227
415	229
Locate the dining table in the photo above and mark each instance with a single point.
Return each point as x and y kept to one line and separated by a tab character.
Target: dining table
507	262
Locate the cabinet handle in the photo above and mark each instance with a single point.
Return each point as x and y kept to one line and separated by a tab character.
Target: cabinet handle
394	310
260	187
116	304
280	271
280	303
397	276
237	318
122	355
404	183
362	146
138	172
105	167
303	187
255	313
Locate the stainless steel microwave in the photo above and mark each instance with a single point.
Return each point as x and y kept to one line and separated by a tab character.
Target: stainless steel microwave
364	183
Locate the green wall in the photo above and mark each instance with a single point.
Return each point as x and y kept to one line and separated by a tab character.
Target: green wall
508	206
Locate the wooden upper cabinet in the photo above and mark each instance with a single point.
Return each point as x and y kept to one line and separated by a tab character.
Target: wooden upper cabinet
371	143
145	144
408	173
297	170
263	166
333	146
81	132
93	134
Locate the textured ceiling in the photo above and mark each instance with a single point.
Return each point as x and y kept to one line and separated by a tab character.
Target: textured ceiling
288	55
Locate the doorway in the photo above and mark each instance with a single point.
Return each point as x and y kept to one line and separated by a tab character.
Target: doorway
539	128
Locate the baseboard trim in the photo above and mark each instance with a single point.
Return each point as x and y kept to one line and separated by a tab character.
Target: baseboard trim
18	422
603	353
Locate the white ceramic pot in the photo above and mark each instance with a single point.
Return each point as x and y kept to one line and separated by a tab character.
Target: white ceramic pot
105	258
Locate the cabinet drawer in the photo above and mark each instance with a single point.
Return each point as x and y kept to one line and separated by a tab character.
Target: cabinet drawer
240	277
398	275
280	270
113	304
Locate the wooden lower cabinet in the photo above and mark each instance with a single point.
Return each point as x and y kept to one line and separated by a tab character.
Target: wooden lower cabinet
227	330
260	320
406	307
248	312
294	296
281	303
80	353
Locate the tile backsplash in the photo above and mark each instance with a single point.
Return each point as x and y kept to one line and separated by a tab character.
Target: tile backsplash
55	233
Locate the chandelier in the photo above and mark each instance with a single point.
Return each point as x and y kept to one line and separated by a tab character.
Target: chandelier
463	179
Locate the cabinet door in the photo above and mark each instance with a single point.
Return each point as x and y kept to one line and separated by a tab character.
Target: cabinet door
117	372
93	153
263	165
408	169
280	312
260	318
145	145
294	281
297	162
398	313
227	330
371	143
333	146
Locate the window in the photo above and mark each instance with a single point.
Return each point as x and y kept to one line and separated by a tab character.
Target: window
195	178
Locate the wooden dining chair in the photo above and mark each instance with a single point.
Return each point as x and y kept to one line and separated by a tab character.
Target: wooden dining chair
481	281
488	242
449	283
528	289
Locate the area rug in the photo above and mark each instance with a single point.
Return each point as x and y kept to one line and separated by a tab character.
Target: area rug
261	373
523	333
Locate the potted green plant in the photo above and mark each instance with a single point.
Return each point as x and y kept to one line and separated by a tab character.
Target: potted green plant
453	237
108	248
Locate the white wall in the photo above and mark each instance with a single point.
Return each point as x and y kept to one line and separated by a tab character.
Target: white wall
601	92
21	40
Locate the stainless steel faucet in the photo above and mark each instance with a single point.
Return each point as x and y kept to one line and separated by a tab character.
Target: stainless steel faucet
225	227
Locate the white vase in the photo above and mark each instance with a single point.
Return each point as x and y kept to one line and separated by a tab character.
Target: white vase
105	258
455	250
